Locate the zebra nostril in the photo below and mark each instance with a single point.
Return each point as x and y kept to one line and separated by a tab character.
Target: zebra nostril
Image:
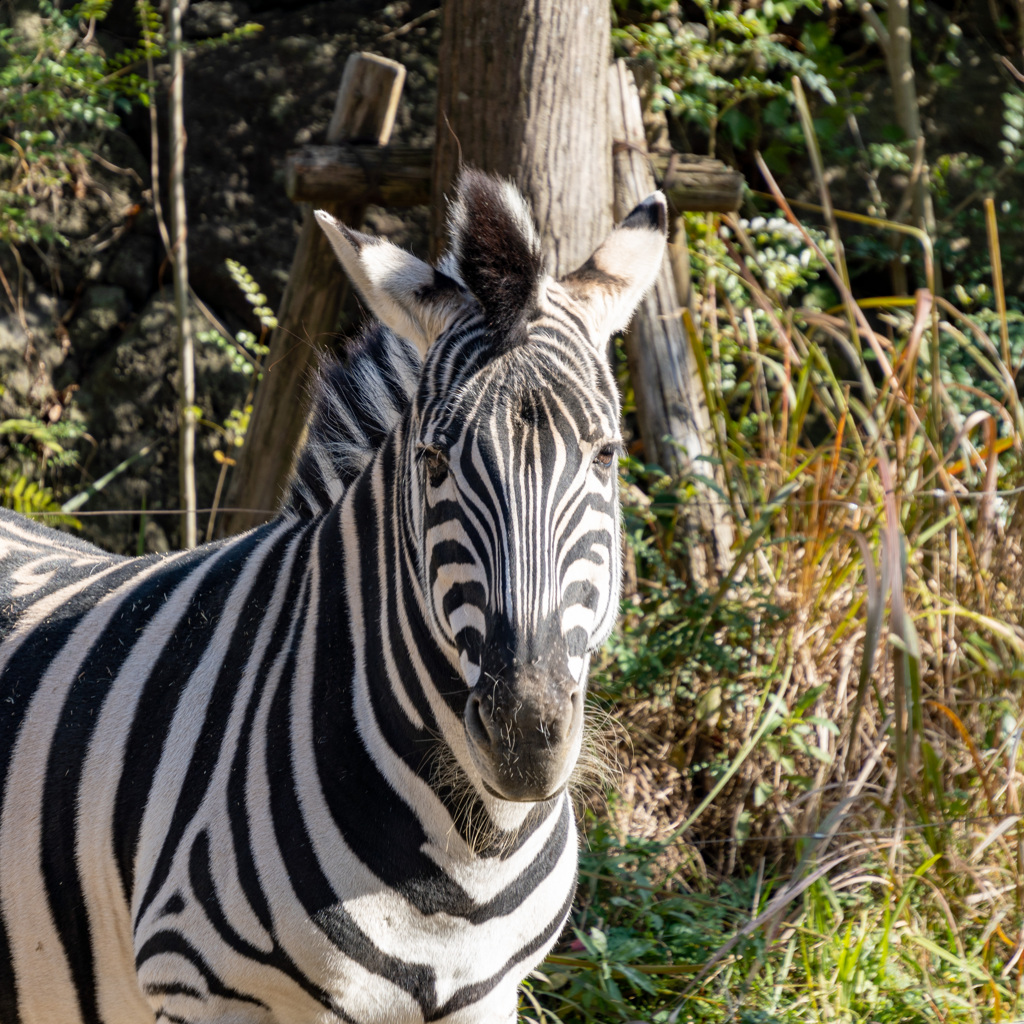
572	717
477	724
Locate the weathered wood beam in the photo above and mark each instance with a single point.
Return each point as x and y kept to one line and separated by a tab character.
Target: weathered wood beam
311	305
399	176
698	183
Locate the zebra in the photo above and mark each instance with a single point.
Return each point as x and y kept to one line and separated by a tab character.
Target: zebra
318	771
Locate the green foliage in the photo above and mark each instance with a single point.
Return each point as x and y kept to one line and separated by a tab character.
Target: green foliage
724	76
31	438
246	353
241	276
841	478
728	76
58	93
962	219
243	350
957	182
636	943
771	248
30	499
641	937
29	450
674	637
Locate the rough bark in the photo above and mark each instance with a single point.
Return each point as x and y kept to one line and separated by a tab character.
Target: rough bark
522	92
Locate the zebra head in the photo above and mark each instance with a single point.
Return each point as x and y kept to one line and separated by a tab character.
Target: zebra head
511	448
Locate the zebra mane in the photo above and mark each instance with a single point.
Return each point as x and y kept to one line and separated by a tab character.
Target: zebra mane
356	404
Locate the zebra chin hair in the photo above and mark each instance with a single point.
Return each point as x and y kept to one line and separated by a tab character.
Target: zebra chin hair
598	767
470	820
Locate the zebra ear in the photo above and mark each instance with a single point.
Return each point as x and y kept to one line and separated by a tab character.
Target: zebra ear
495	249
622	269
412	298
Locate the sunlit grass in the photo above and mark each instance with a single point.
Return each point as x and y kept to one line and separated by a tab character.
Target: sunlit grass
833	731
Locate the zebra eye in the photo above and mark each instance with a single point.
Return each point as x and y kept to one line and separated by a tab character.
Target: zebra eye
436	462
606	455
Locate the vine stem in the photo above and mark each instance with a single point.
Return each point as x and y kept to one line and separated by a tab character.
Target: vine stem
179	259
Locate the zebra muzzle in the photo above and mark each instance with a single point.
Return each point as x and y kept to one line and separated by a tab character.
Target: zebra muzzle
525	735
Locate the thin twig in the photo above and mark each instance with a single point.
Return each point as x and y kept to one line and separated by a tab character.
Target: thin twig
408	26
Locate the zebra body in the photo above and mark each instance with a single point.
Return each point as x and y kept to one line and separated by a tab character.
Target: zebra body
318	772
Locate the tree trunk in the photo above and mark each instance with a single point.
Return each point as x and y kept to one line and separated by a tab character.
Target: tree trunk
896	41
522	92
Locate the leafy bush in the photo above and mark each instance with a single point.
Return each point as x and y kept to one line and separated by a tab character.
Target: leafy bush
58	93
30	450
831	734
246	354
727	74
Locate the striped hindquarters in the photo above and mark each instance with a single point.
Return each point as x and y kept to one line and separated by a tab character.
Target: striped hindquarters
113	679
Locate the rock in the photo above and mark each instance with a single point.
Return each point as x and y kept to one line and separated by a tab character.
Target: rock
103	308
296	48
27	22
95	221
155	538
133	266
31	352
129	398
210	18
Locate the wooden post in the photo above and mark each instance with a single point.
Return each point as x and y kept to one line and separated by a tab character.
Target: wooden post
671	409
317	287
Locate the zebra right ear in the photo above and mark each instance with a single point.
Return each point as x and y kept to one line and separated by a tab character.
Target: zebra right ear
412	298
623	268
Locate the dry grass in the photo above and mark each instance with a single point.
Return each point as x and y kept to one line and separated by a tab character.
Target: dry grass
840	726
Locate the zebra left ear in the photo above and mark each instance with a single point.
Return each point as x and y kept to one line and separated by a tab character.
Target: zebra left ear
622	269
412	298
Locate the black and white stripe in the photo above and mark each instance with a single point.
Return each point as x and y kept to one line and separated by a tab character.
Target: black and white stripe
318	772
